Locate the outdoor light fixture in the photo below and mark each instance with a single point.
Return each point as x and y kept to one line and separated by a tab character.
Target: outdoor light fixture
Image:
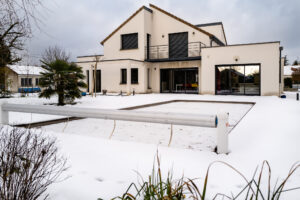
236	58
163	36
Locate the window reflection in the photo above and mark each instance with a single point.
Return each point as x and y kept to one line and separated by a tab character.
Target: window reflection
238	79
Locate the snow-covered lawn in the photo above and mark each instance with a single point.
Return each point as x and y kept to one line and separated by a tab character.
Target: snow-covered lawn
105	168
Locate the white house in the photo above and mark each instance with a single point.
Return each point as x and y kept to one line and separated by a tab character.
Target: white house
23	78
156	51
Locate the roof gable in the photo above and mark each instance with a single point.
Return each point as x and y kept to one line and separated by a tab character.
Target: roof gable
125	22
181	20
207	26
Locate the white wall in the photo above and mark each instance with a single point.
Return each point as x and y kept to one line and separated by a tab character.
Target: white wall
216	30
266	54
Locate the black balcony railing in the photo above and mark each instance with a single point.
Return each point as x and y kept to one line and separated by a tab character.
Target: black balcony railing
161	52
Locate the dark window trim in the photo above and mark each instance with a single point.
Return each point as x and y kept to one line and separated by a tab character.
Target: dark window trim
148	79
37	81
26	82
123	82
178	69
132	81
247	64
169	46
121	40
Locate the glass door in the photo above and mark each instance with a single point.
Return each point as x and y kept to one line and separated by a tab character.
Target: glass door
191	85
183	80
238	79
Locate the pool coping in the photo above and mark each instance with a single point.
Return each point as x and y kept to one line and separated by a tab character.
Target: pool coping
185	100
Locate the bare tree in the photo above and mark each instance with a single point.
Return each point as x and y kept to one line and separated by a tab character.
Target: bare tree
16	19
25	11
29	163
54	53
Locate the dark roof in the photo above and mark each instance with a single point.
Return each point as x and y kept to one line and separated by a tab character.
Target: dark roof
209	24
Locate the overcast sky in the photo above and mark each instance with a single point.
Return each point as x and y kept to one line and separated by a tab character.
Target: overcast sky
79	25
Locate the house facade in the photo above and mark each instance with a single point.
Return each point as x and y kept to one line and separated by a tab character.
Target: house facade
156	51
22	78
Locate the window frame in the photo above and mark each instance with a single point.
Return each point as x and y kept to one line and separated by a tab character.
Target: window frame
133	81
26	82
123	81
245	65
37	81
124	35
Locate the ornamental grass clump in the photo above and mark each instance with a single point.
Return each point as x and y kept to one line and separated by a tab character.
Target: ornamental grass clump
158	188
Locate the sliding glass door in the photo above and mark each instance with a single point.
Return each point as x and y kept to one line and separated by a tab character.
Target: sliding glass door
238	79
183	80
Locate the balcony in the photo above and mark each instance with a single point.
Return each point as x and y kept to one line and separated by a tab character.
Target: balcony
161	53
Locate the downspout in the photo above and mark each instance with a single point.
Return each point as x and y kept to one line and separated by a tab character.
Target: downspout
280	82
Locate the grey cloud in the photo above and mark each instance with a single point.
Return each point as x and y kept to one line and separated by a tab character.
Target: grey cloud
79	26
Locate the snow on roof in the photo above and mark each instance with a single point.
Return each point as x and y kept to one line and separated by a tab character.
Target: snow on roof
24	70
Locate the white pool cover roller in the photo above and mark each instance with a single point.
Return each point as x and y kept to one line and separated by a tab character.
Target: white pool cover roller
186	119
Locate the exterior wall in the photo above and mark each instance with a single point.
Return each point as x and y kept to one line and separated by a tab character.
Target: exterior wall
216	30
267	54
15	81
157	24
112	47
282	75
111	75
155	71
12	79
164	24
33	77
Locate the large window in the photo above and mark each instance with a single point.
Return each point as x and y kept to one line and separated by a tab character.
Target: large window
25	82
134	75
123	76
184	80
238	79
129	41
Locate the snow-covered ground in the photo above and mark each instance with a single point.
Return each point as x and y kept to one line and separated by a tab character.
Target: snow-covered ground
105	168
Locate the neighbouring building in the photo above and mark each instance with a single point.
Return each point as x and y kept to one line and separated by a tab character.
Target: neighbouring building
155	51
23	78
288	70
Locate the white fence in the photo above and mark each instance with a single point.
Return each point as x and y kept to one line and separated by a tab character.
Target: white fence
212	121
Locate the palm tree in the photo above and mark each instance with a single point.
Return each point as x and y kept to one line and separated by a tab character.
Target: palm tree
62	78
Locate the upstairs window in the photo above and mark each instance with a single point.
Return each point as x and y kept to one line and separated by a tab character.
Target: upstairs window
129	41
134	75
123	76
